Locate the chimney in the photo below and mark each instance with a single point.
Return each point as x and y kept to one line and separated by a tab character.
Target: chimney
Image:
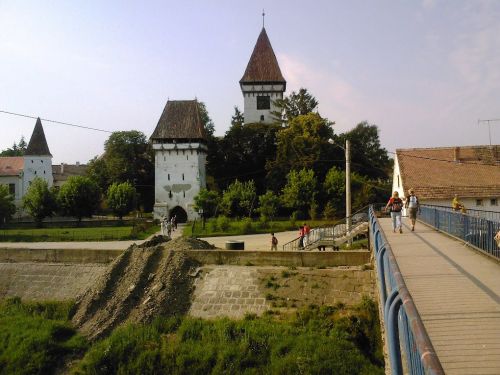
62	168
456	154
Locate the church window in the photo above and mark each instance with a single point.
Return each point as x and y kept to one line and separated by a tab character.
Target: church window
43	172
170	194
183	177
12	189
168	176
41	161
32	162
263	102
494	202
261	117
35	172
187	157
184	193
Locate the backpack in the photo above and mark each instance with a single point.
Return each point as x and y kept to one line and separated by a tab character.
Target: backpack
275	241
397	205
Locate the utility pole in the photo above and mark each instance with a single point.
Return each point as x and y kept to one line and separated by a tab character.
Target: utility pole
489	121
348	189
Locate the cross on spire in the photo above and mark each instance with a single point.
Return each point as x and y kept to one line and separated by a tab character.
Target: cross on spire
263	15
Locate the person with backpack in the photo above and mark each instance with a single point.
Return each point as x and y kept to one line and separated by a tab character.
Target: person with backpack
395	205
413	206
274	242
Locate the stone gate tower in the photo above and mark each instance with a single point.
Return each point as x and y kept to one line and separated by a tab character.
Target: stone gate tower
262	82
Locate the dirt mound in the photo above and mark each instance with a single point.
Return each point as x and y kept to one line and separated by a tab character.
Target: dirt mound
142	283
182	243
155	240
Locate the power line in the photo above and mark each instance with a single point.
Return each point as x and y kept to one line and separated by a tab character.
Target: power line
55	122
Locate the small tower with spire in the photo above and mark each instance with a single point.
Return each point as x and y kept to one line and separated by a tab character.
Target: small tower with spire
37	158
262	83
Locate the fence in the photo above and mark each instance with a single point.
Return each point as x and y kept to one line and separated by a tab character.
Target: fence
407	340
477	228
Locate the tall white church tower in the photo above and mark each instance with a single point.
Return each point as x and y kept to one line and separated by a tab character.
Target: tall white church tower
179	144
37	159
262	82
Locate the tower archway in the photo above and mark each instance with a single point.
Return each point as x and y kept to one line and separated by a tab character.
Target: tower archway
180	214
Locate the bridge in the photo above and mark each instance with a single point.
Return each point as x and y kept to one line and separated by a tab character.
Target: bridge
439	288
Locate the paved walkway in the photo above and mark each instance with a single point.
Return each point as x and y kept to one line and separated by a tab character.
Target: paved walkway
258	242
457	293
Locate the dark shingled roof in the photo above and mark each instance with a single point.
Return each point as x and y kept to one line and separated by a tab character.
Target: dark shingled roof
180	120
263	66
38	144
435	173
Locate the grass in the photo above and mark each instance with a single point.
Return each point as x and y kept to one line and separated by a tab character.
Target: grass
313	341
232	227
36	337
77	234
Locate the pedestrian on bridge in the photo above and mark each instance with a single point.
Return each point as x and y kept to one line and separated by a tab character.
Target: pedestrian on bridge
413	206
395	205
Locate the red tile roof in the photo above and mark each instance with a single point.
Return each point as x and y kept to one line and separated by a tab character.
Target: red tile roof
263	66
440	173
11	166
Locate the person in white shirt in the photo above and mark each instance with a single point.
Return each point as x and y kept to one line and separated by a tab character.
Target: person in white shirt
413	206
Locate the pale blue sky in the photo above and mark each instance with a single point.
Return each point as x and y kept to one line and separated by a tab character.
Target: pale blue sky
423	71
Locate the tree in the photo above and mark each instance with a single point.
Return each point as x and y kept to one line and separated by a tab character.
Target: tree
268	205
207	122
207	200
97	170
368	157
79	197
39	200
121	198
239	199
16	150
302	144
293	105
300	190
7	206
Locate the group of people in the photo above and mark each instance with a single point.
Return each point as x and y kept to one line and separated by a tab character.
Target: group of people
395	207
168	226
304	231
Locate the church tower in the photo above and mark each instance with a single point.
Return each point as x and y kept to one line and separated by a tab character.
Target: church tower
179	144
262	82
37	159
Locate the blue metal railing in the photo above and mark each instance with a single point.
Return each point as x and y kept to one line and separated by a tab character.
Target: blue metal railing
478	228
404	328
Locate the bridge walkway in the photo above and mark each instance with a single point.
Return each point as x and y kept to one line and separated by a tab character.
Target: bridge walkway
457	293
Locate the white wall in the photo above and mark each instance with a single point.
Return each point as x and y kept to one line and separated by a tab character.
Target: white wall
250	93
37	166
179	175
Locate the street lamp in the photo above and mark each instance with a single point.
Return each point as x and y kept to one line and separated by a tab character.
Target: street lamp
347	184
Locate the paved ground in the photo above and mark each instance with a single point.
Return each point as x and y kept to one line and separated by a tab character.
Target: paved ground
457	293
252	242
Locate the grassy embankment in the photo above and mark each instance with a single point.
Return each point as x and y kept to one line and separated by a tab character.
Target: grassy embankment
77	234
327	340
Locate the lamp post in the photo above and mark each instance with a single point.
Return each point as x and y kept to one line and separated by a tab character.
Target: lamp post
347	150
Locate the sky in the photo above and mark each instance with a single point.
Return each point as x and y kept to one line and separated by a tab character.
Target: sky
423	71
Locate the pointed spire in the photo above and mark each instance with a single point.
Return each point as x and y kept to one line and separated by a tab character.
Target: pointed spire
263	66
38	144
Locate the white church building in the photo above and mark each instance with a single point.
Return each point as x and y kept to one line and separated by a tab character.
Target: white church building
179	139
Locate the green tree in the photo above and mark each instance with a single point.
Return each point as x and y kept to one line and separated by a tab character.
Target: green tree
302	144
368	157
207	122
97	170
121	198
79	197
238	199
300	190
16	150
39	201
7	206
269	204
207	200
293	105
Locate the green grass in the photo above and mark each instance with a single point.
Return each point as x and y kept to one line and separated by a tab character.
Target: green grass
76	234
232	227
36	337
313	341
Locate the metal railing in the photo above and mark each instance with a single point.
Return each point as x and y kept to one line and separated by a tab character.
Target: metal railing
477	228
407	340
336	230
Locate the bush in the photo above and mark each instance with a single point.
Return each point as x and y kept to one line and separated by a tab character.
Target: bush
246	226
223	223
